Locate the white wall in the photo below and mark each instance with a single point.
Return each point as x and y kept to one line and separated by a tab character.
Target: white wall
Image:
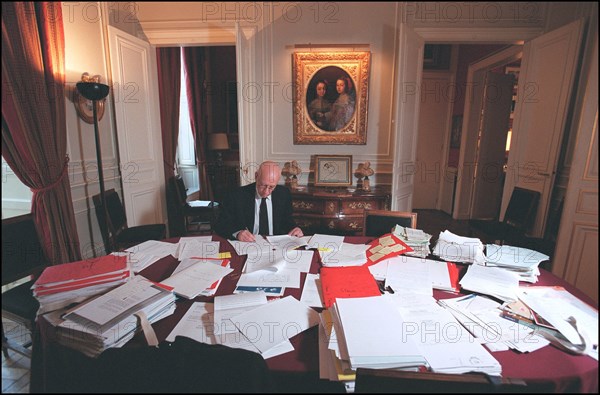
84	52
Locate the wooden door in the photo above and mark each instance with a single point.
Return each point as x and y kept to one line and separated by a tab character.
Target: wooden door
488	181
135	90
433	124
546	81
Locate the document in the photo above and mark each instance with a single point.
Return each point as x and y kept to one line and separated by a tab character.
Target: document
109	309
311	292
347	255
326	242
273	323
198	249
198	275
197	324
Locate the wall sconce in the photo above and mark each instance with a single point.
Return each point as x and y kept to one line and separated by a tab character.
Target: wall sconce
91	89
83	104
218	142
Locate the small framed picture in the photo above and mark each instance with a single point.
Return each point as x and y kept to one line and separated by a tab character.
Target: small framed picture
333	170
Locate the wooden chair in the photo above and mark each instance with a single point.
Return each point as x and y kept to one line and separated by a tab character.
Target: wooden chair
397	381
518	218
380	222
197	215
121	236
22	262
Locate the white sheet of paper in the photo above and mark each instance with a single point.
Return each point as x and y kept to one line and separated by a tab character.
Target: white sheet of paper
269	325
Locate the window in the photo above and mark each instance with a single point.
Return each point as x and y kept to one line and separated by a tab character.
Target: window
16	197
186	152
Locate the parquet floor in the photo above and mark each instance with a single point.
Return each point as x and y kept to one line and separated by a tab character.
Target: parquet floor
15	368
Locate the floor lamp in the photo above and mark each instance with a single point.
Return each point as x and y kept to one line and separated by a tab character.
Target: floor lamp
92	89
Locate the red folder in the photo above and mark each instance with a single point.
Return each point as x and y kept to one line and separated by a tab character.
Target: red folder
401	246
347	282
82	271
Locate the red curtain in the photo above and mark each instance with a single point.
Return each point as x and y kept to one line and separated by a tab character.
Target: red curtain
34	141
194	63
169	87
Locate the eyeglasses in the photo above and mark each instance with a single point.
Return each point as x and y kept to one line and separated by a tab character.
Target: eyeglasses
268	187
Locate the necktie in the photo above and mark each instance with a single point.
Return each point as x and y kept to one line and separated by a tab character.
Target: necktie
263	224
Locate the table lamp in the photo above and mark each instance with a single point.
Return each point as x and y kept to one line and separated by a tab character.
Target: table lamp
218	142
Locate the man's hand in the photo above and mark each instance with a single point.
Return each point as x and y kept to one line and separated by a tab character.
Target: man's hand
245	235
296	232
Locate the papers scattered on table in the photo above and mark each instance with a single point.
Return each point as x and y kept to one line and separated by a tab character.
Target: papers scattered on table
482	317
454	248
556	305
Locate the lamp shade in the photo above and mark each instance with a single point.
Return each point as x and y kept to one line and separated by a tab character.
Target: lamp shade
92	90
218	141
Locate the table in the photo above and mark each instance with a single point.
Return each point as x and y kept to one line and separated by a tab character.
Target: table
54	366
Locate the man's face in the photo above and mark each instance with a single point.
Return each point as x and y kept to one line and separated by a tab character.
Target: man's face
266	181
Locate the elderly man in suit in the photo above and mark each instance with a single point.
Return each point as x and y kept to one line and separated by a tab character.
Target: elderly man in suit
261	208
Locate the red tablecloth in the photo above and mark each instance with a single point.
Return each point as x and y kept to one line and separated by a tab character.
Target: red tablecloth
566	373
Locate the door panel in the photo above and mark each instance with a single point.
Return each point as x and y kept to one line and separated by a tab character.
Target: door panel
135	90
433	122
406	117
494	124
545	85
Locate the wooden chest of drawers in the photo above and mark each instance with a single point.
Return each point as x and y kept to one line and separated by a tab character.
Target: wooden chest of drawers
327	211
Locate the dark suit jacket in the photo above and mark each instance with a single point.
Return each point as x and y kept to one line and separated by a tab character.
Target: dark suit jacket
236	212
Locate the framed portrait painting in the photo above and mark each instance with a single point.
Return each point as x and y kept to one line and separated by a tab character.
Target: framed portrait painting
330	97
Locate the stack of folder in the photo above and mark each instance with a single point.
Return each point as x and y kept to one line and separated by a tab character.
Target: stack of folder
61	285
415	239
523	261
112	319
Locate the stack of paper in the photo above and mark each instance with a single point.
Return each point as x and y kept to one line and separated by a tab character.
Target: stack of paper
493	281
454	248
444	343
415	239
522	261
61	285
110	320
371	333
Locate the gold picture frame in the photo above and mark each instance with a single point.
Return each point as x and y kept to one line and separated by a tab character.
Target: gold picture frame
333	170
339	116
